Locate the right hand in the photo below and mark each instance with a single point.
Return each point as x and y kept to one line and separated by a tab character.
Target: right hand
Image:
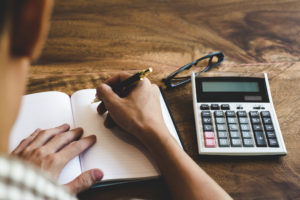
139	113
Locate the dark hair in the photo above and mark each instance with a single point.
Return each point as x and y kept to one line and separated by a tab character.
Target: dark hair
5	10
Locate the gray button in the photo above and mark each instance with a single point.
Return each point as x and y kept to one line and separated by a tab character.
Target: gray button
220	120
223	143
233	127
236	142
231	120
271	134
208	127
206	120
234	134
221	127
246	134
248	143
245	127
223	134
243	120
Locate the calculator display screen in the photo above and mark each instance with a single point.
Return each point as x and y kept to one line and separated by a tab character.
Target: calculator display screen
231	89
229	86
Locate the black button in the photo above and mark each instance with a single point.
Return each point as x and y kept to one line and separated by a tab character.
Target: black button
220	120
223	134
267	120
265	114
255	120
260	139
254	114
225	107
219	114
271	134
208	127
215	107
206	120
223	143
206	114
242	113
269	127
239	107
248	142
257	127
230	113
273	142
204	107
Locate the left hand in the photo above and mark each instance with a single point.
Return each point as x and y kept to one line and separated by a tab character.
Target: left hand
52	149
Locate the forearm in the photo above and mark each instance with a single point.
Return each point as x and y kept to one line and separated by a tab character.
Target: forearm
185	179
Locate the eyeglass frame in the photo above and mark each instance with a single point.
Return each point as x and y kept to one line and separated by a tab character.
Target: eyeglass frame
220	55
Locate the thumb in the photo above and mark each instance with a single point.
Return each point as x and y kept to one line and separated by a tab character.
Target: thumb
106	94
85	181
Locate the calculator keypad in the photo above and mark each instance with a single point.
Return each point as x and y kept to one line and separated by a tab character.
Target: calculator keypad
223	127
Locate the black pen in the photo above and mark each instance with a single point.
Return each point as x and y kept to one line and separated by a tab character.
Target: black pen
129	82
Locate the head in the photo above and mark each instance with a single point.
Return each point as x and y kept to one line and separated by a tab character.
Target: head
23	30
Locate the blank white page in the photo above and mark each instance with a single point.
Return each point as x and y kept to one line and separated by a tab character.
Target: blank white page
45	110
119	155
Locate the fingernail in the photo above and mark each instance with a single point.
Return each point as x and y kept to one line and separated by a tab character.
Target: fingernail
98	175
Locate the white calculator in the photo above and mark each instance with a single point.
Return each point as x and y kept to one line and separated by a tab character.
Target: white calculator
234	115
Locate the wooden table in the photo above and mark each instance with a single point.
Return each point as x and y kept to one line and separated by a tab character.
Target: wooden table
90	41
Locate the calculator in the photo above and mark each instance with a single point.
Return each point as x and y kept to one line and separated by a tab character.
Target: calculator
234	115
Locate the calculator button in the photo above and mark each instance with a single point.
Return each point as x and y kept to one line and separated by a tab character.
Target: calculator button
225	107
248	142
243	120
214	107
267	120
209	135
246	134
270	134
220	120
206	114
208	127
231	120
233	127
269	127
260	139
239	107
245	127
219	114
224	143
273	142
207	120
254	114
236	142
242	113
234	134
255	120
223	134
257	127
230	113
210	143
265	114
204	107
221	127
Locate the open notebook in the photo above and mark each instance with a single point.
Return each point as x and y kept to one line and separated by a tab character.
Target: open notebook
120	156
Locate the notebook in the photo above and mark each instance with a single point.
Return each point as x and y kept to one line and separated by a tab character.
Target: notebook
120	156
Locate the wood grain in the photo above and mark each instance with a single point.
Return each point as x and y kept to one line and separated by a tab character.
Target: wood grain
90	41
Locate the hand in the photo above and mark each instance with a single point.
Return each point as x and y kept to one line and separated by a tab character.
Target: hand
138	113
52	149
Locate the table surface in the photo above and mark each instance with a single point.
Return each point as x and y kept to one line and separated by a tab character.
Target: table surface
90	41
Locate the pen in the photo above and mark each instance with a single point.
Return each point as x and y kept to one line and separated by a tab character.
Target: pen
130	81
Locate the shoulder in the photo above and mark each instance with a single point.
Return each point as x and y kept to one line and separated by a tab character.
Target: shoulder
21	180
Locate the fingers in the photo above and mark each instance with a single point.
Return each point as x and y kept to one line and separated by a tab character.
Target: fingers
46	135
101	109
25	142
62	139
106	94
75	148
85	181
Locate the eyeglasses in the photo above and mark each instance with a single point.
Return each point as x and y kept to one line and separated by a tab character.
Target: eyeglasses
179	77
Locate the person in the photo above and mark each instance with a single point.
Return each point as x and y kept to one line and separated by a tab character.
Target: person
31	170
